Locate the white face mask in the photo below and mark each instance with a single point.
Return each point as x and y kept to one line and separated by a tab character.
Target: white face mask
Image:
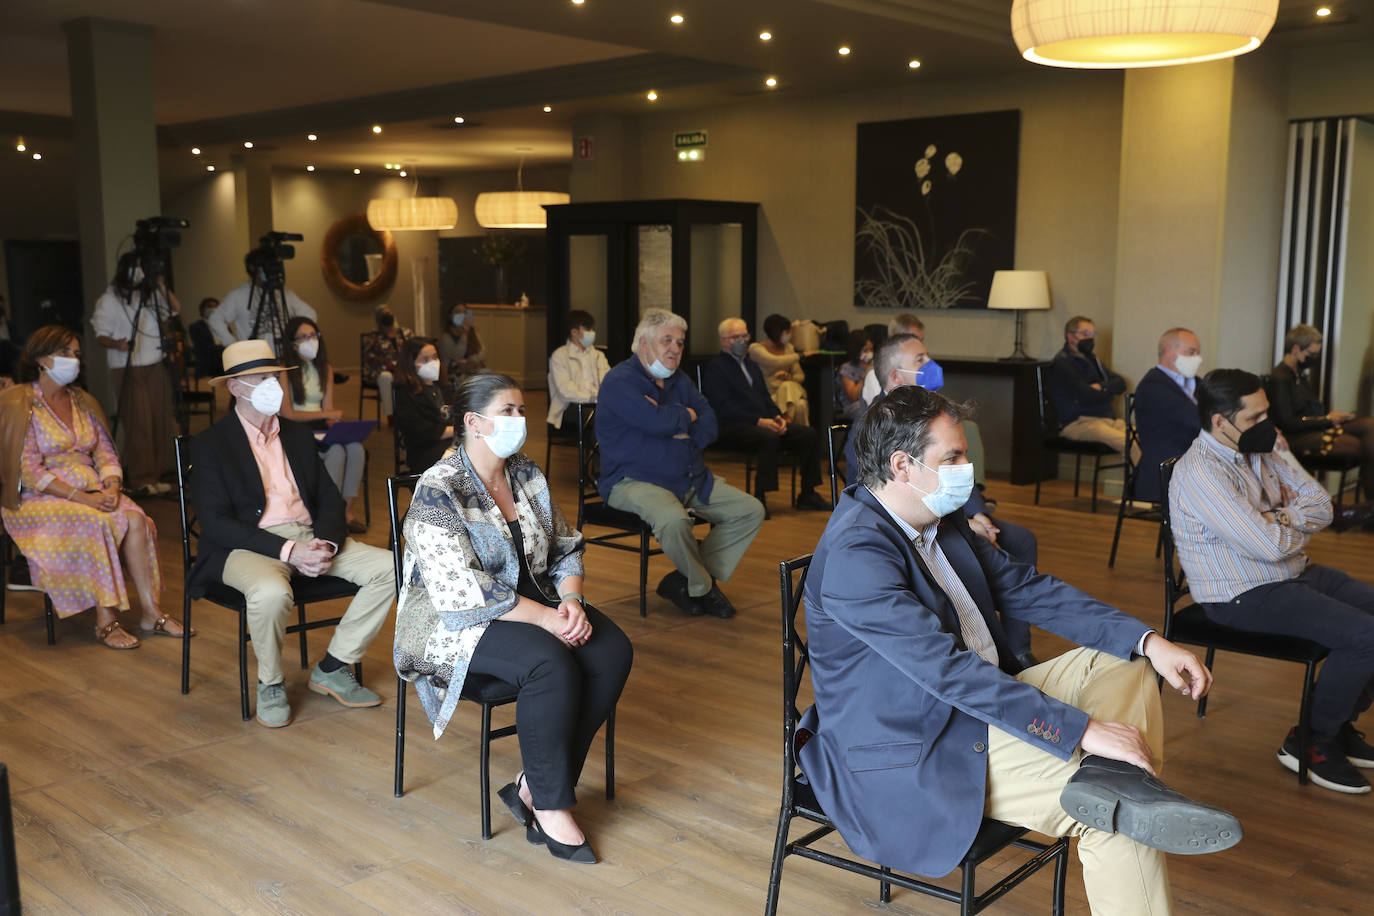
64	369
954	489
137	275
428	371
786	338
588	338
266	397
1188	366
506	437
308	349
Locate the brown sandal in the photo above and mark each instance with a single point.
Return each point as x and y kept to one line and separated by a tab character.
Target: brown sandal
103	634
159	628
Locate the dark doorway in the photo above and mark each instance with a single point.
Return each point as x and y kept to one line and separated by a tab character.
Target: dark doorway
44	285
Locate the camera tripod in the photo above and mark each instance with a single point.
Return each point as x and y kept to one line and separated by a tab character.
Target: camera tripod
166	351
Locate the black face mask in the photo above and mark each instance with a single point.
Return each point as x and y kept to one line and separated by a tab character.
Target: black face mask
1307	361
1085	346
387	320
1258	439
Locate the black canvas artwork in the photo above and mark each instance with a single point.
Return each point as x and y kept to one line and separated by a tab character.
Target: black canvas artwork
936	215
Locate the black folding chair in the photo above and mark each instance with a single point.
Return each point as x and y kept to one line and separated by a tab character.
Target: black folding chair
786	457
487	692
8	551
1190	625
1052	442
799	800
304	590
1128	478
836	475
368	391
9	862
1319	465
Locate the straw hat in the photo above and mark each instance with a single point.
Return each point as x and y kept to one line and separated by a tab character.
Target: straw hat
248	357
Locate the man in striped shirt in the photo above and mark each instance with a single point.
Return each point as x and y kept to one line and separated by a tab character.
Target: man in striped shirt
1242	517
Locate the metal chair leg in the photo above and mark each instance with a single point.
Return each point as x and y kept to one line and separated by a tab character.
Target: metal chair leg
401	686
885	887
243	663
968	889
50	618
770	906
1061	870
1077	472
186	644
305	652
485	771
643	573
1305	722
610	756
1202	703
1116	538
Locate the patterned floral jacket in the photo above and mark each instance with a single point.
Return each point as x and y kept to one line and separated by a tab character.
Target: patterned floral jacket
460	570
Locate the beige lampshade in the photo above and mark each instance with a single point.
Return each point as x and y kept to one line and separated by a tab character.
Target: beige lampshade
515	209
1114	34
1020	289
404	213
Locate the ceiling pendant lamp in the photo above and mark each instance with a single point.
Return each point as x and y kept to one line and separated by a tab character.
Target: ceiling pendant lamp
403	214
1116	34
519	209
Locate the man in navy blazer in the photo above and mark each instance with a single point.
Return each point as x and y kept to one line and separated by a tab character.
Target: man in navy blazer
748	418
922	725
1166	409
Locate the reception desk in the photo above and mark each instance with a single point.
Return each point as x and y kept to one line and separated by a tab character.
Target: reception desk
515	339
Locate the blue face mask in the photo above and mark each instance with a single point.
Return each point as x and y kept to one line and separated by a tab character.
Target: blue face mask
658	370
930	376
458	319
954	489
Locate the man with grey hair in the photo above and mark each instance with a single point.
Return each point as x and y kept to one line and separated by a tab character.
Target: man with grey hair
652	425
905	323
924	724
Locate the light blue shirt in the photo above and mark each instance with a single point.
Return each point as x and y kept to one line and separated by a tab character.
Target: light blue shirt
1189	385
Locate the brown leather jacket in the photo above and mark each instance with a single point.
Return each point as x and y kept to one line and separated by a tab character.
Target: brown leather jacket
16	407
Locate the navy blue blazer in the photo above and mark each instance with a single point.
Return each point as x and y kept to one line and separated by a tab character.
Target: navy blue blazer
733	399
1167	423
898	753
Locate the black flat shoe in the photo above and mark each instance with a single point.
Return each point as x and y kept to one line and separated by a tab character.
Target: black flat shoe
510	794
1118	797
582	854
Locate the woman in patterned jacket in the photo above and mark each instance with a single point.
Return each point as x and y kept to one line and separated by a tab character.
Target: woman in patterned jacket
492	588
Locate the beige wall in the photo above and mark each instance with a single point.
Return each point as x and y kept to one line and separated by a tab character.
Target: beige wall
797	159
1331	81
1354	344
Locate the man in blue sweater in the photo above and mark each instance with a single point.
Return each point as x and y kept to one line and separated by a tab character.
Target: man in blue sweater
652	425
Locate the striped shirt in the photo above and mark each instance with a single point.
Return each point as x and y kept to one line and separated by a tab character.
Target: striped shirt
1241	521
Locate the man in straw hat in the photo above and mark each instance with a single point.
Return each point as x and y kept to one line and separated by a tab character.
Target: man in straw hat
268	511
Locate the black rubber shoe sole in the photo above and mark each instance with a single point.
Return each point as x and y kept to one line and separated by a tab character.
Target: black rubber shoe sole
1181	828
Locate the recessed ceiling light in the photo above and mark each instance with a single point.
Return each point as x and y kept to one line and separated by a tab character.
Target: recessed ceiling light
310	168
676	19
578	2
652	96
459	120
548	108
195	150
376	128
20	145
37	155
357	171
914	64
1324	11
771	82
765	36
247	144
311	137
209	168
403	173
844	50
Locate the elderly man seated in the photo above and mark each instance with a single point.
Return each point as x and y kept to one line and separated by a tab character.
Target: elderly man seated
268	510
923	724
652	425
749	419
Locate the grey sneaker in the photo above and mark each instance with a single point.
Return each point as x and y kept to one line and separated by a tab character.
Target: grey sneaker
343	687
273	710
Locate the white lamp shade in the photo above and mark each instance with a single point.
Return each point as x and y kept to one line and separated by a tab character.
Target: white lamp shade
1020	289
515	209
1114	34
405	213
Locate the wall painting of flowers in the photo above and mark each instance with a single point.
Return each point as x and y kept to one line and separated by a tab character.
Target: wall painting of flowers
936	210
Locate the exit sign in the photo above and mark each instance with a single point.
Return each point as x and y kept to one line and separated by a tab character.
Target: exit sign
689	139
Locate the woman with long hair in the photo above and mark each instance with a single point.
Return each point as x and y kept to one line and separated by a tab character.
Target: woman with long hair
312	401
423	417
782	371
61	499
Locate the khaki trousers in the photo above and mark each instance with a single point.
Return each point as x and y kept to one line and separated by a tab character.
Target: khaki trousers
735	517
266	586
1111	433
1121	876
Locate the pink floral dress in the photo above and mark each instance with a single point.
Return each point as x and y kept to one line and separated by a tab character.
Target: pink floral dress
73	550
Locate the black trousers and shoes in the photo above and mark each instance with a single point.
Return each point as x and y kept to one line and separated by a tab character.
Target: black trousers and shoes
1331	763
766	445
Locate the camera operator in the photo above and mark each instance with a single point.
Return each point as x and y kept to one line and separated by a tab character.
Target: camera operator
145	407
242	306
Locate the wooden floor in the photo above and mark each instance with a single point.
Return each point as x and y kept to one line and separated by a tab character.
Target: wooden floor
129	797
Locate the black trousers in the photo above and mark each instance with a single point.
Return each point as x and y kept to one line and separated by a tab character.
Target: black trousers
565	696
766	445
1330	608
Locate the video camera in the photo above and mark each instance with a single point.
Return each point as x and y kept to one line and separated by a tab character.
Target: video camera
153	238
265	261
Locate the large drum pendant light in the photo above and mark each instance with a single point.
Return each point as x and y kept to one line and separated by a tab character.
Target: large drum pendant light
518	209
1114	34
396	214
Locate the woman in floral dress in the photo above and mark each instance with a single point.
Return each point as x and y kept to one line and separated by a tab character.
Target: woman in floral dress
61	500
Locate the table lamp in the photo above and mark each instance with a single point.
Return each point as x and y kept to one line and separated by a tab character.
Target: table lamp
1020	291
